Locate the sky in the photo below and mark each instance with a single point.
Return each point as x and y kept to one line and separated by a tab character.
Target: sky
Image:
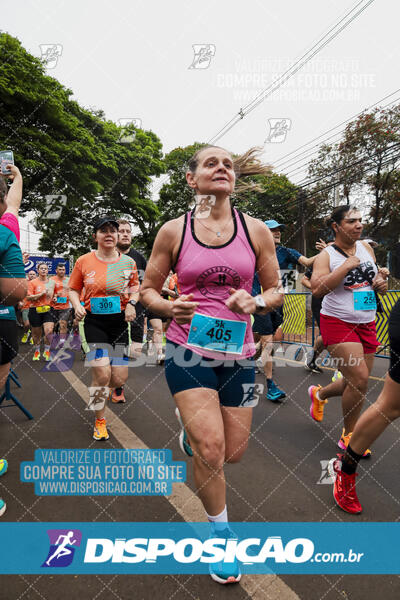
186	68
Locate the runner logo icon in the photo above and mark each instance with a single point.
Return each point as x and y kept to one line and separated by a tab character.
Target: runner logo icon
63	543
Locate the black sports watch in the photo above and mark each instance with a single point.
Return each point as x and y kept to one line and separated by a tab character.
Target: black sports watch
132	302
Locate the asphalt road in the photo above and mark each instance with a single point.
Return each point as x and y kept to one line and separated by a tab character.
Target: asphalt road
279	479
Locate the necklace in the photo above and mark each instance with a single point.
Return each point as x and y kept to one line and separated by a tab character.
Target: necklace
353	250
217	233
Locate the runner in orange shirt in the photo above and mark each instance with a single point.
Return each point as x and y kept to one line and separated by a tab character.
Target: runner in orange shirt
39	313
111	284
60	305
25	306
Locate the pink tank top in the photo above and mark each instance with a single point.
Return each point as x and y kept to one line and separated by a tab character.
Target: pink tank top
11	222
209	272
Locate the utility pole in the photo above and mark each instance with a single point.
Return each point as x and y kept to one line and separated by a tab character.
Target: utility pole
301	206
336	198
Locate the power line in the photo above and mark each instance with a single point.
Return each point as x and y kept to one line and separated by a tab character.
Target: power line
282	79
292	70
313	153
355	163
31	232
311	192
391	156
279	160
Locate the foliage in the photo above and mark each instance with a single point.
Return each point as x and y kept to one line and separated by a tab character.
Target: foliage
65	149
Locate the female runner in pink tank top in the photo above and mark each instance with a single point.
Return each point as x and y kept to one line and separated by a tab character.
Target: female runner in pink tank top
215	251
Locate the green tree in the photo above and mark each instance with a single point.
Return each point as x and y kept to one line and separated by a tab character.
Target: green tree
175	195
363	169
65	149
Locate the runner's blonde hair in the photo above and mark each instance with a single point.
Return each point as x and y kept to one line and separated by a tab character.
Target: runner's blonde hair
244	165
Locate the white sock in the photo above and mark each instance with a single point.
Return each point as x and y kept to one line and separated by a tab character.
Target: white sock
220	521
47	348
317	394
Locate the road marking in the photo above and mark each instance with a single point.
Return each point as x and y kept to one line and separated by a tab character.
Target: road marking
185	502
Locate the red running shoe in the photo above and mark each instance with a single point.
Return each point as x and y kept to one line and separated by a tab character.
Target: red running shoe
344	488
118	399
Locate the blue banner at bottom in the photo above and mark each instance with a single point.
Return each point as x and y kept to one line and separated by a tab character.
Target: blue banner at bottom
190	548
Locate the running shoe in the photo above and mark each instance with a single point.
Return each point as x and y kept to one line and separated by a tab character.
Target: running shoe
225	572
310	365
337	375
183	438
344	488
31	341
317	406
3	466
2	507
46	355
24	338
345	440
118	398
36	356
274	394
100	432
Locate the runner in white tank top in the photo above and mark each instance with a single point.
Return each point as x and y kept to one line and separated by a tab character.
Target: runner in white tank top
339	302
346	276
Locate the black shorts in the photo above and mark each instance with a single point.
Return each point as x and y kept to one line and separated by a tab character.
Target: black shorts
269	323
234	380
316	304
150	316
106	329
394	338
137	326
8	341
60	315
37	319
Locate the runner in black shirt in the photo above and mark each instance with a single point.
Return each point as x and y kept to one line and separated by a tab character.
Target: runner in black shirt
124	246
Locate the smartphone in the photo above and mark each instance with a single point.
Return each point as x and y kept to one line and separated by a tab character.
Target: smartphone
6	158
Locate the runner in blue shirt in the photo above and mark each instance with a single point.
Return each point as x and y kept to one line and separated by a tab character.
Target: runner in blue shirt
265	327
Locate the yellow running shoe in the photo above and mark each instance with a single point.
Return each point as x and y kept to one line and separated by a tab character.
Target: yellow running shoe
3	466
31	341
337	375
36	356
345	440
24	338
100	432
317	406
46	355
